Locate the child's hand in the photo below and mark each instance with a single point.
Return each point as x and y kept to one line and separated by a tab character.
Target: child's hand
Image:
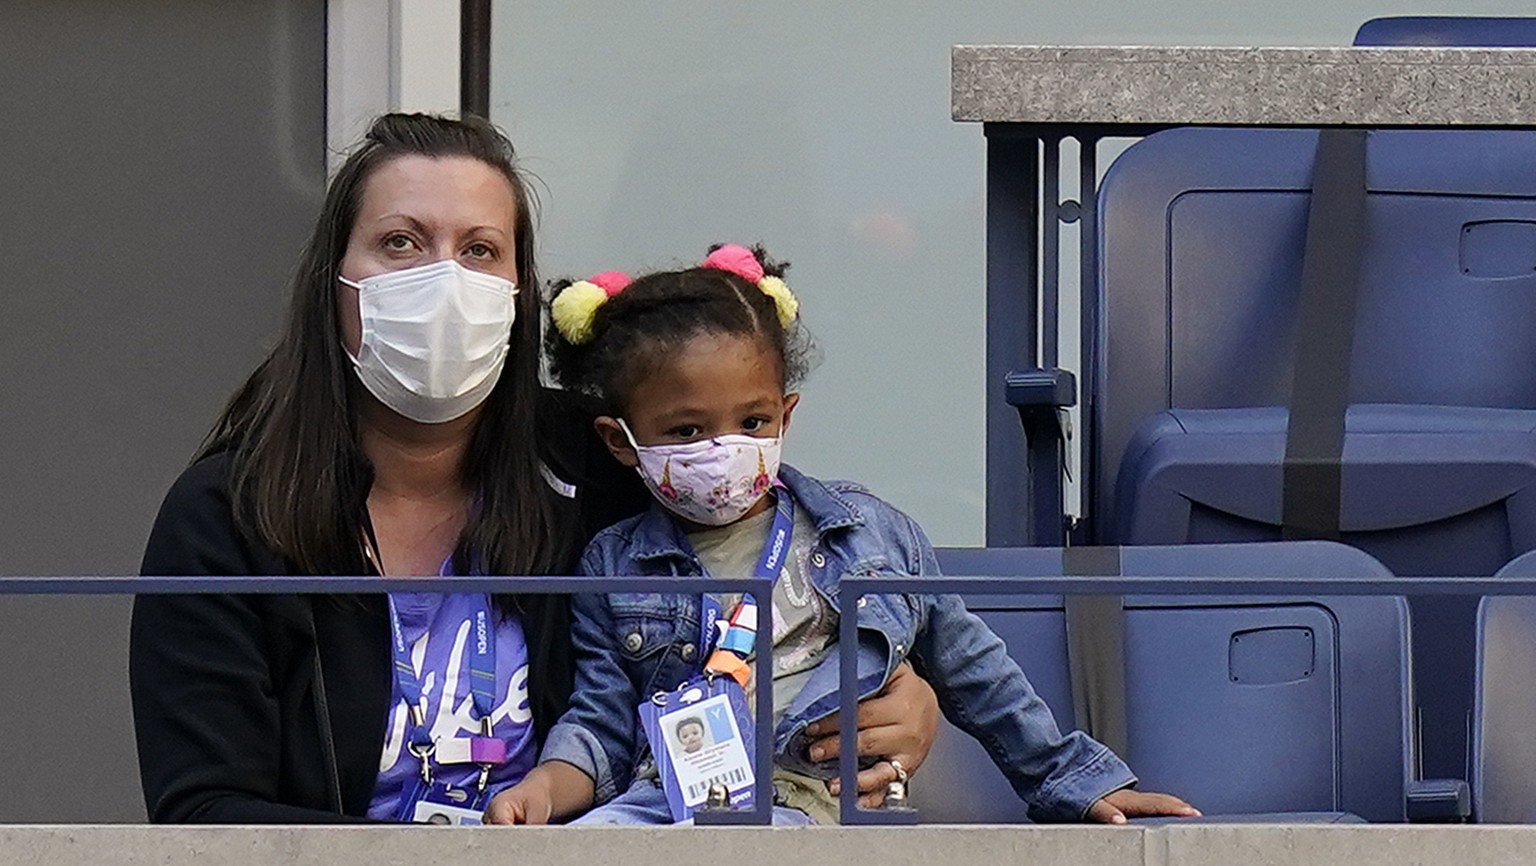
527	802
552	790
1125	803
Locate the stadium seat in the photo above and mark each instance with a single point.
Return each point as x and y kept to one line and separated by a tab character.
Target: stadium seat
1239	704
1503	748
1201	237
1469	31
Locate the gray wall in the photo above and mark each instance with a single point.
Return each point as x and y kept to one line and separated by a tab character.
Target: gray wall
161	162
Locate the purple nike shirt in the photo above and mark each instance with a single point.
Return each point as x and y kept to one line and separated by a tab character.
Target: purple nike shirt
439	628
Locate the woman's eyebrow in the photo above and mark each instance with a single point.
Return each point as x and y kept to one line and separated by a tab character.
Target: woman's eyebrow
415	224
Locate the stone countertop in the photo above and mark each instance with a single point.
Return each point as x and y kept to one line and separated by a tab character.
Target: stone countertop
1153	86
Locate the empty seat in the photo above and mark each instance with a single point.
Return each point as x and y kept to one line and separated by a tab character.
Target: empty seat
1503	741
1238	704
1470	31
1201	236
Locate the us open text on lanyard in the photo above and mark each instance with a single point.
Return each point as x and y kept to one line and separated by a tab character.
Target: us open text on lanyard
728	656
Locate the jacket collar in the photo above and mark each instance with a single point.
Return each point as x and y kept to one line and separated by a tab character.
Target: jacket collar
657	535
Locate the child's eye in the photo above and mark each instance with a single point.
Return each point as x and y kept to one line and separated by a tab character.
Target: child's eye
686	431
755	423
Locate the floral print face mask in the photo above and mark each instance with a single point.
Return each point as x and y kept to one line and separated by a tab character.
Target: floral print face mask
712	481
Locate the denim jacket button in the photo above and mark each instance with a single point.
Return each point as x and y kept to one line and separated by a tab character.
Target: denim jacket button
633	641
863	600
818	560
689	651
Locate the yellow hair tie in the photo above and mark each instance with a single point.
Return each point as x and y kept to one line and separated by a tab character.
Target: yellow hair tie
572	310
783	299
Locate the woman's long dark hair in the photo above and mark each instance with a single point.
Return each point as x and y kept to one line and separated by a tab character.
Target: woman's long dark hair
300	482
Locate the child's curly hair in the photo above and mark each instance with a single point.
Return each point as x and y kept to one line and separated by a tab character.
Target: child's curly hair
636	329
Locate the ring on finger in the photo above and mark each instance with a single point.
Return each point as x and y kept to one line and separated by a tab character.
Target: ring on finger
901	772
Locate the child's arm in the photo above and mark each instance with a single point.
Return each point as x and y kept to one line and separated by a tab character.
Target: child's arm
981	689
589	754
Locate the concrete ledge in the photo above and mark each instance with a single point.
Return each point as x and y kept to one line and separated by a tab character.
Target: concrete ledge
1169	845
1376	87
1358	845
557	846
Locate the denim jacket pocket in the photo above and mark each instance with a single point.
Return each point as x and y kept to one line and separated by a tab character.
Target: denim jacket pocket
646	628
642	635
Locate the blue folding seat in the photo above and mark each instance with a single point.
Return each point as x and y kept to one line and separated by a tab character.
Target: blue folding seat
1468	31
1503	742
1201	249
1238	704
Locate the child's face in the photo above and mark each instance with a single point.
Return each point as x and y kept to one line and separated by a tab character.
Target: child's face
691	736
717	384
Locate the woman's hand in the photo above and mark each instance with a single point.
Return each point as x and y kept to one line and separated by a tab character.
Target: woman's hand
549	791
1125	803
899	724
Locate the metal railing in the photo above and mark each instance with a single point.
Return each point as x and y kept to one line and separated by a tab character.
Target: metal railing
851	590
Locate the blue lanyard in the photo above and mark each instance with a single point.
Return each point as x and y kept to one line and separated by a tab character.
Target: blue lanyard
482	681
769	564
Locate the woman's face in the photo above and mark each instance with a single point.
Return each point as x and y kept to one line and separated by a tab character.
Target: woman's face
416	210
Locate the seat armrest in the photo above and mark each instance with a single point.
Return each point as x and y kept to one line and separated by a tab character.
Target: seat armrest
1443	801
1037	388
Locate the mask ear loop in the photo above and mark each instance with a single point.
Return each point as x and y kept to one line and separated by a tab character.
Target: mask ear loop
627	434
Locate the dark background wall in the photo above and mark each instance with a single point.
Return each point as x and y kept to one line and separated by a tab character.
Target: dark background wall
161	162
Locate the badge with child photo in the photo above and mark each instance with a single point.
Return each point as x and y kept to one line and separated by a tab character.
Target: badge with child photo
701	737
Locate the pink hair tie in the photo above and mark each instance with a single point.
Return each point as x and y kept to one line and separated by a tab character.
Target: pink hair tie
611	282
738	260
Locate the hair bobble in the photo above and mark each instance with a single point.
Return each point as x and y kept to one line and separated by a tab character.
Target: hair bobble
743	263
573	309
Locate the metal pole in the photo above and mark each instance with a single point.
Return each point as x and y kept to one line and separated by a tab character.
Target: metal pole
1013	322
475	57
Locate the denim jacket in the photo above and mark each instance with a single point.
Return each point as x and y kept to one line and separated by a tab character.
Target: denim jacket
629	645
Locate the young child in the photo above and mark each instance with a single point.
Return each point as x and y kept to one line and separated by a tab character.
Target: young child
696	370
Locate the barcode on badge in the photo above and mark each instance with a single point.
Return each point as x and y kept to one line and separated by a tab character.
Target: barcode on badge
729	779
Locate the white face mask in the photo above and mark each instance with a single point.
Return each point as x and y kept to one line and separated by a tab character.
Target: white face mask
712	481
434	338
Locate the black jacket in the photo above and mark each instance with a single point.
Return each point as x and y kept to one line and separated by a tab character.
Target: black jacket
259	709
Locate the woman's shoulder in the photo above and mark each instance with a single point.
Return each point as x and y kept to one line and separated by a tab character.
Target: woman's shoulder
196	531
206	478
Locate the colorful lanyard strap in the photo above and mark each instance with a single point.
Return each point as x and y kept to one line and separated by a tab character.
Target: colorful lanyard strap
729	657
482	681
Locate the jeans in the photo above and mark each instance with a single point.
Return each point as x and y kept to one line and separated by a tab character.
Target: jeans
646	803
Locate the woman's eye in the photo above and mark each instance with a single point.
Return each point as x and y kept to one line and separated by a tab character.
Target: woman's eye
481	250
397	242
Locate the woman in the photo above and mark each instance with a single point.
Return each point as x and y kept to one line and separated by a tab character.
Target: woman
397	428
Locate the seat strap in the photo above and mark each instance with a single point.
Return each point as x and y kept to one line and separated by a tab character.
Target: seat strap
1096	648
1325	329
